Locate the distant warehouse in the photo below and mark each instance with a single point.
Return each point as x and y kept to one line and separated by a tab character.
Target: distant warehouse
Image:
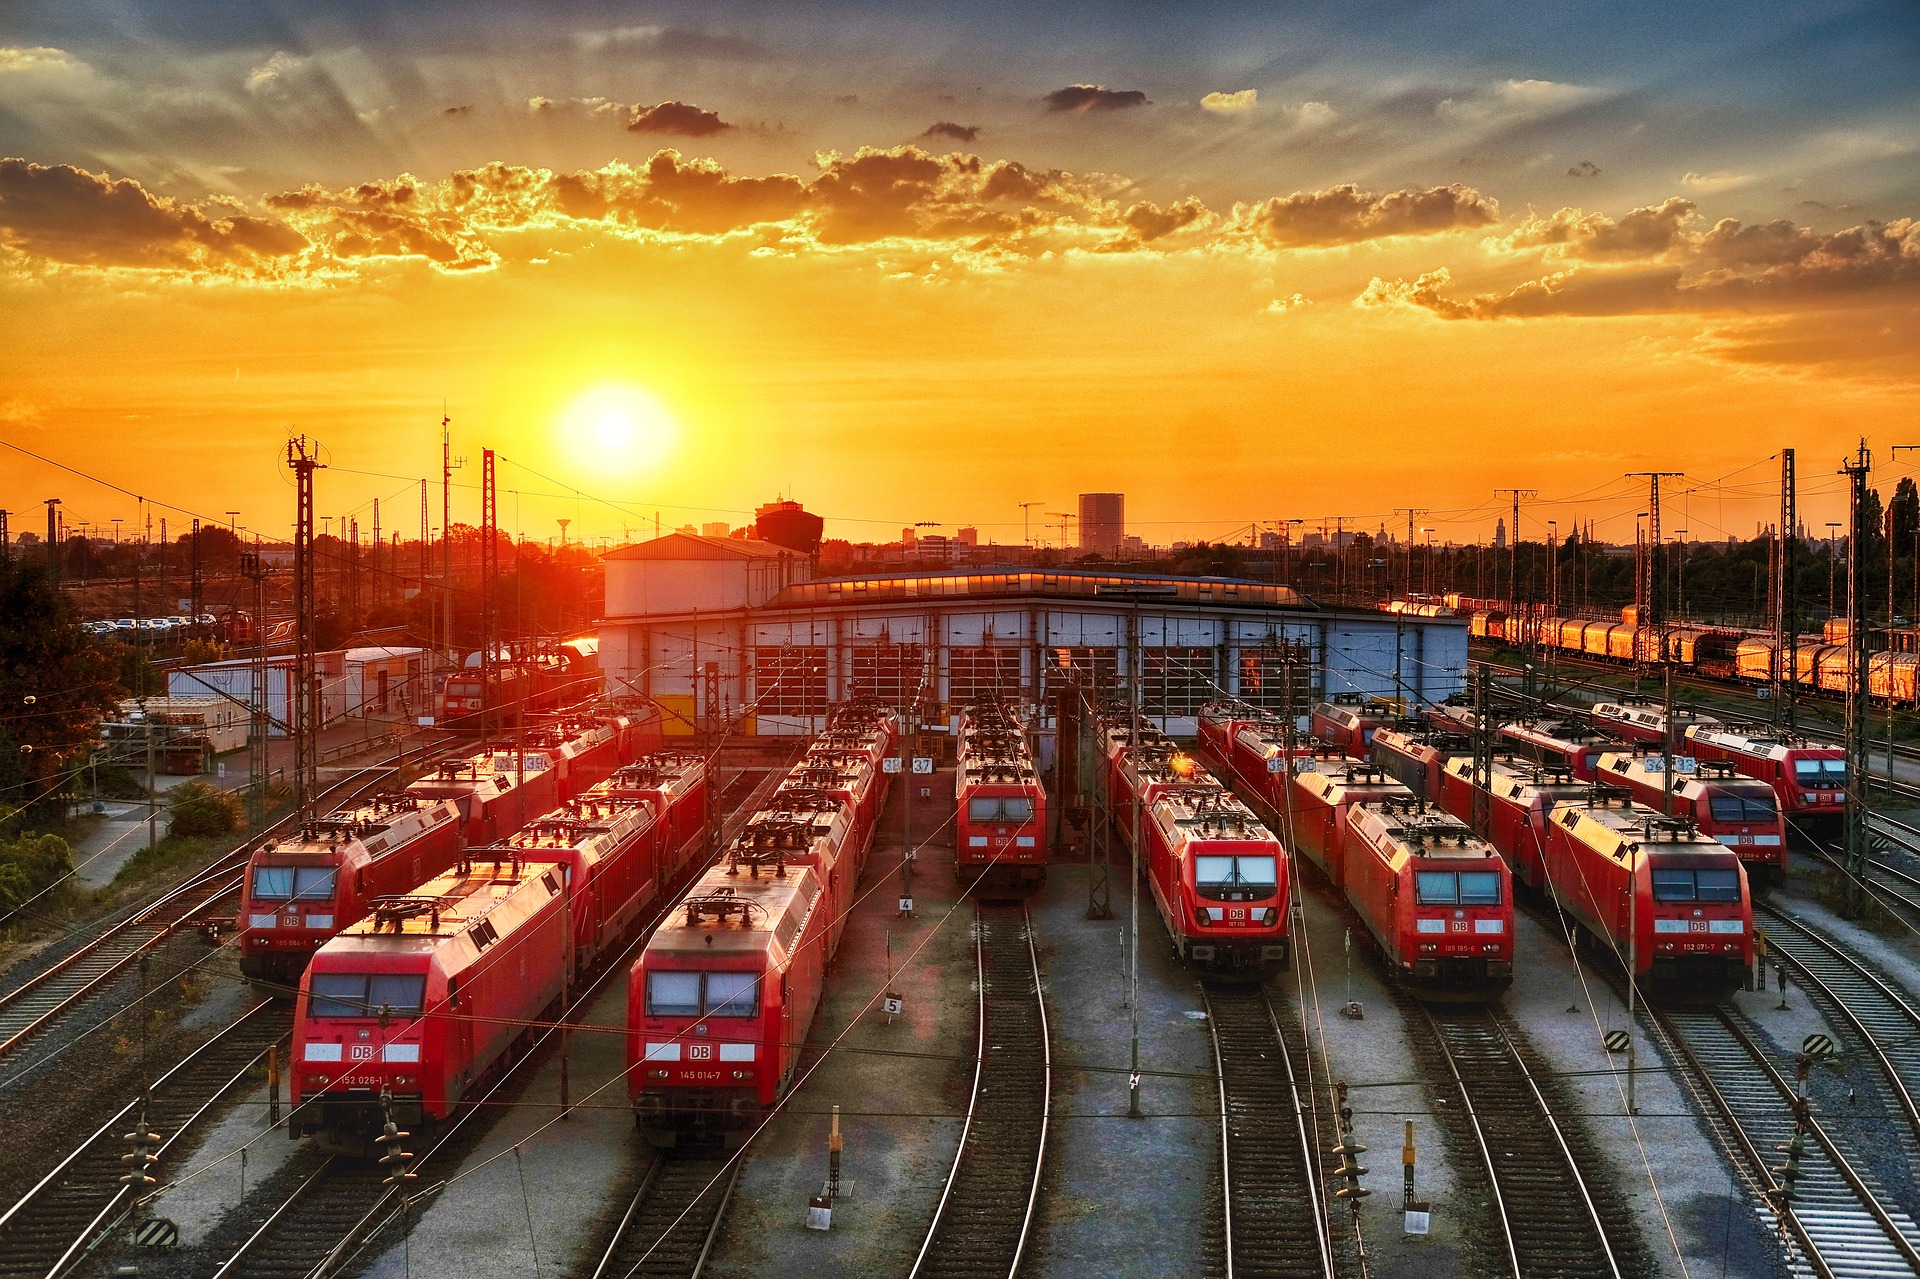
718	629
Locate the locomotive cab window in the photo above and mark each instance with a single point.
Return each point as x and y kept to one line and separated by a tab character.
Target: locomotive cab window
693	994
293	883
1456	888
1820	771
367	994
1741	808
1675	885
1235	878
1000	808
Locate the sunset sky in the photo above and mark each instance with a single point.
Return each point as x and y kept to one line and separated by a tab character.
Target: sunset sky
1242	262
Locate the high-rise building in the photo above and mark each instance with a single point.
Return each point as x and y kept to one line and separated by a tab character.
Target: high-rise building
1103	522
968	537
1500	533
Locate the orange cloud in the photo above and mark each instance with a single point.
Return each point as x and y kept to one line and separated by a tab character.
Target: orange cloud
1345	214
62	214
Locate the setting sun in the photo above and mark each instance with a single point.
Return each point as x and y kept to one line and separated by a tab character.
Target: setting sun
618	430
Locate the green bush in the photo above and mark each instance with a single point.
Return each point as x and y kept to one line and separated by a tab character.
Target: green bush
197	809
29	864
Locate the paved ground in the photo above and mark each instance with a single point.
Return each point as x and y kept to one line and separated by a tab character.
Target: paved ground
901	1087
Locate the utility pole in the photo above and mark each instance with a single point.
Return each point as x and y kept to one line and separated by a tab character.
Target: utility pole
198	585
448	465
6	538
1410	512
373	564
53	545
1856	471
489	567
1529	625
1482	754
1784	637
1651	580
303	694
260	723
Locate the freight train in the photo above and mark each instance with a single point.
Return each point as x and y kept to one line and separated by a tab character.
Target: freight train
1668	902
720	1000
1436	898
1813	663
1000	806
406	1014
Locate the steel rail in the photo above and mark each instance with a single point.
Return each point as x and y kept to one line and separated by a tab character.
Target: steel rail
163	917
1257	1106
999	1115
1894	1007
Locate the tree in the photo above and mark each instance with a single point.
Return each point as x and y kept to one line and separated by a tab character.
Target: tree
196	808
55	684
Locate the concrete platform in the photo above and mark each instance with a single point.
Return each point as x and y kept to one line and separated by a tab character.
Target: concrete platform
901	1087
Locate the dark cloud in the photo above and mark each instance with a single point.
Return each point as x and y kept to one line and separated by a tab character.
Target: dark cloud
1647	232
1345	214
463	109
957	132
1148	221
1094	97
1584	169
682	119
64	214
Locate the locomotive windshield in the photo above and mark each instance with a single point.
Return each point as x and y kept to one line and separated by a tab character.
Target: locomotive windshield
695	994
1456	887
1677	885
1741	808
1235	878
366	994
1000	808
293	883
1815	772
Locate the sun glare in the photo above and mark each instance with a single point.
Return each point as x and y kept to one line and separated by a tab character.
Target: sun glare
618	429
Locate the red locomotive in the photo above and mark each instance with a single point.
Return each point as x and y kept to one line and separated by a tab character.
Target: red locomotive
1000	807
674	785
1320	800
1520	795
1221	881
1416	757
1640	722
1740	812
497	792
1348	720
424	997
1565	743
1436	898
1810	781
610	849
1261	769
301	891
587	747
720	1001
1220	722
1657	893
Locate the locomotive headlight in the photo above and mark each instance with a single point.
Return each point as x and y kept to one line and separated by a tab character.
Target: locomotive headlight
1270	916
659	1074
742	1074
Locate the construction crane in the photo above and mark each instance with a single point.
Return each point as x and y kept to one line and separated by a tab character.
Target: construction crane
1026	526
1065	518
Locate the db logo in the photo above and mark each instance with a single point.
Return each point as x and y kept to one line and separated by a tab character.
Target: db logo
700	1052
361	1052
1458	925
1236	912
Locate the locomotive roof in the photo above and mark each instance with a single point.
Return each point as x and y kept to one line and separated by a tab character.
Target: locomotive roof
1566	732
1691	776
734	914
1763	746
1644	715
1617	828
594	823
650	772
1337	787
450	904
1419	828
380	826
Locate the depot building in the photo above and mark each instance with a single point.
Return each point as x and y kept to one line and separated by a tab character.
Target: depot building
737	633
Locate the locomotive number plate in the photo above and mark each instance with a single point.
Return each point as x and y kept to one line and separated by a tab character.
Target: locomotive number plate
700	1052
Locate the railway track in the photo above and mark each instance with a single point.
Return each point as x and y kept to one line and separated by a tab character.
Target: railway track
52	1226
1884	1022
1273	1201
1550	1219
1838	1219
669	1228
34	1006
984	1219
